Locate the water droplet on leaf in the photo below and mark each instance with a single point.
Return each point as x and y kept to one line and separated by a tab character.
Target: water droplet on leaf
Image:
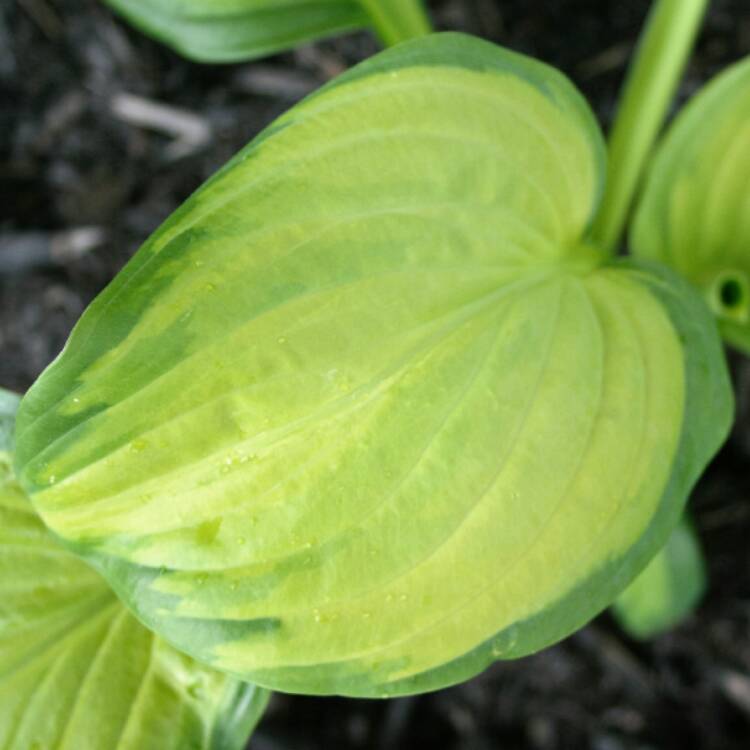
138	445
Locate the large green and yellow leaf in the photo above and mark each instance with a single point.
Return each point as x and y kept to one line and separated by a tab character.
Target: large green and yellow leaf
368	412
79	672
667	590
695	211
227	30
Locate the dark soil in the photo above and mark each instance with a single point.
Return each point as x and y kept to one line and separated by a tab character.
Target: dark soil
71	158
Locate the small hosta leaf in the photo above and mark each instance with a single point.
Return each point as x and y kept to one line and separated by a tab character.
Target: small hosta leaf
227	30
368	412
79	672
667	590
695	211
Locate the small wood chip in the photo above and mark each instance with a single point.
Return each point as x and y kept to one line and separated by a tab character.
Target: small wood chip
266	80
736	687
21	252
190	131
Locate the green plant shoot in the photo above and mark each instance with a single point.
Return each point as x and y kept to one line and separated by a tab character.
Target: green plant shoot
649	90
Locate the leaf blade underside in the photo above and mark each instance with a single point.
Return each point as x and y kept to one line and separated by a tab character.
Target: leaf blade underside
366	413
694	214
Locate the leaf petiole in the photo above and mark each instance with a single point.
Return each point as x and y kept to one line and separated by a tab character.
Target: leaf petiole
651	84
396	21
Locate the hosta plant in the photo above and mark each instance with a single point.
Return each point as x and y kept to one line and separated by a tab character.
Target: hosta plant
378	405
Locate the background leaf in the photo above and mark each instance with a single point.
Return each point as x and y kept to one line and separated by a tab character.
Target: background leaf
79	672
8	407
667	590
695	210
368	412
229	30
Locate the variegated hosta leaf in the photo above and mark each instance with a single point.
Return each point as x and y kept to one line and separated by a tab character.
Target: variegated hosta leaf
667	590
367	412
695	212
78	672
226	30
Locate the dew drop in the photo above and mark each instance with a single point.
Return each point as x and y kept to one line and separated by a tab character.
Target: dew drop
76	400
200	580
403	598
240	540
233	586
389	598
282	339
316	615
366	615
138	445
210	287
52	479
